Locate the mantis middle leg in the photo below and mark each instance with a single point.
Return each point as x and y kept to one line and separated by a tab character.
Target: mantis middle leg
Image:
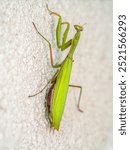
78	104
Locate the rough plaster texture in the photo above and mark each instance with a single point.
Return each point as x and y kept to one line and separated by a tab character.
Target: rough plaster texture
25	68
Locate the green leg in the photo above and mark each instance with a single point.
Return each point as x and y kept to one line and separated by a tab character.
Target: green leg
52	80
78	104
64	44
58	29
66	32
50	47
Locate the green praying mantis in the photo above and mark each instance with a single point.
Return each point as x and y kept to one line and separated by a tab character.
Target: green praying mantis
56	96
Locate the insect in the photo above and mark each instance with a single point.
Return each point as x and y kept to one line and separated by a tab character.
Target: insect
56	96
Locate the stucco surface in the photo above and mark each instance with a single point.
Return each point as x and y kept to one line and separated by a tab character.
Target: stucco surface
25	69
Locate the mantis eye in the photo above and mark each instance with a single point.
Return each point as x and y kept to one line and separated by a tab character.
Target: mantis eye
78	27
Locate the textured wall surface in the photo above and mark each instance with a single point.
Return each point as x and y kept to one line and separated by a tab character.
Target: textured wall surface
25	69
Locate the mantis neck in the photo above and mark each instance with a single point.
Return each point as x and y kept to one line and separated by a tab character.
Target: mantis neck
74	44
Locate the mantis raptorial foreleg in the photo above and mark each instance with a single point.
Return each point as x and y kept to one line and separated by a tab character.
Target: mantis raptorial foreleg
78	104
64	44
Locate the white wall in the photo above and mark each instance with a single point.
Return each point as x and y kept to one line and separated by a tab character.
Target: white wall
25	68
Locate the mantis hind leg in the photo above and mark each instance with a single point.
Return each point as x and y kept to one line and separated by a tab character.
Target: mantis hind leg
52	80
78	104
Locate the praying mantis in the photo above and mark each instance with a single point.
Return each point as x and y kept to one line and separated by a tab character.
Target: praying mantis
56	96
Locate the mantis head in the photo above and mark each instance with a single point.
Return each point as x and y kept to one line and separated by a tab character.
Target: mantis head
78	27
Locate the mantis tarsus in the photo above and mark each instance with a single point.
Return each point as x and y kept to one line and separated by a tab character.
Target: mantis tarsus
56	97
